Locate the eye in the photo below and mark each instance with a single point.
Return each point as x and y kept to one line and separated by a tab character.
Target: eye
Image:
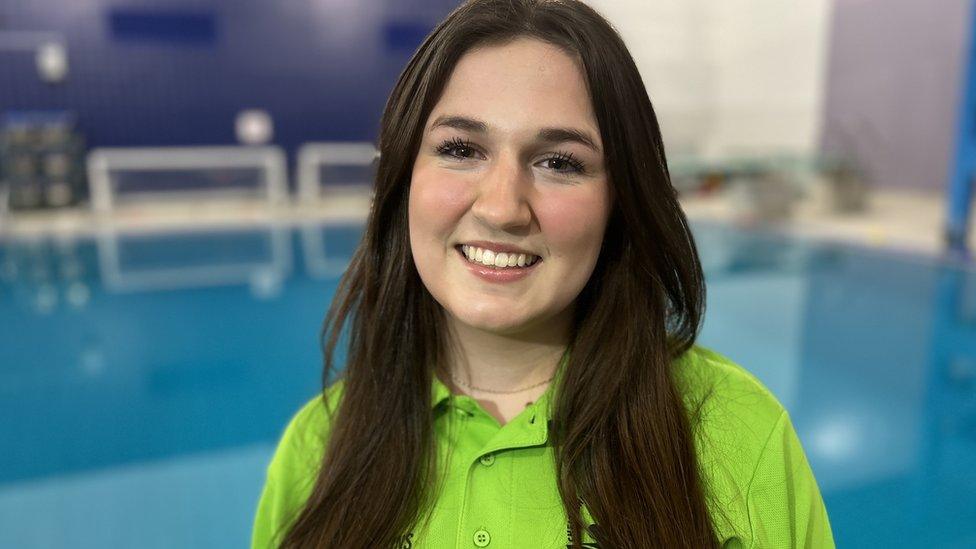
561	162
457	148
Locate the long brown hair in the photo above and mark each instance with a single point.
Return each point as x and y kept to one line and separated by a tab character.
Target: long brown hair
621	430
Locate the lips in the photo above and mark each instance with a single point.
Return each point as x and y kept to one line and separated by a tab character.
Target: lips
497	262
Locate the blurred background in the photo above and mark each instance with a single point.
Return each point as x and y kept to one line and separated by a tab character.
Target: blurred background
183	182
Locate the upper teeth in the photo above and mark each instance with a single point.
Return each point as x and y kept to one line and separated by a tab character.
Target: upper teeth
499	259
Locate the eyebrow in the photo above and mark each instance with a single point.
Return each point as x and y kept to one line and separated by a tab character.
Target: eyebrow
546	135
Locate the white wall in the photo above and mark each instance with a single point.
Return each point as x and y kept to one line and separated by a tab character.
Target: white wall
730	77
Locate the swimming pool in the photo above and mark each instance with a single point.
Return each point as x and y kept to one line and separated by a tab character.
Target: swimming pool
145	377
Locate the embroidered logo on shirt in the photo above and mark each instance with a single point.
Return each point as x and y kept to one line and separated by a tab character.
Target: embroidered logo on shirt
405	542
594	532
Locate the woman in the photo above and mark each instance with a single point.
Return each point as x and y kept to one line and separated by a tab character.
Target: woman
521	317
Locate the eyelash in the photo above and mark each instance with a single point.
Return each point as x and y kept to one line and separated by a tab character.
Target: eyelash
450	145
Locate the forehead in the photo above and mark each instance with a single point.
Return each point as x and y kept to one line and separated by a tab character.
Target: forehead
523	84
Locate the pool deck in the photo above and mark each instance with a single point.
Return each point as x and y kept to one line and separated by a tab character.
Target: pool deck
900	220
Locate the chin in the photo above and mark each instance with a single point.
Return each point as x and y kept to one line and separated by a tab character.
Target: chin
492	321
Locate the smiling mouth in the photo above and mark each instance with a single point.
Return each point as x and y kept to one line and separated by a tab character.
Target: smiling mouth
496	260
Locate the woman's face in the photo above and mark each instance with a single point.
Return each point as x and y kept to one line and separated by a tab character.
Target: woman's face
510	170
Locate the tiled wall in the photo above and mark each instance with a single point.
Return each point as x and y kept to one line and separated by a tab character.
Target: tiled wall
156	72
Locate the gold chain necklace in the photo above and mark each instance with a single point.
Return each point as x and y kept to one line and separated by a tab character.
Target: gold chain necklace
523	389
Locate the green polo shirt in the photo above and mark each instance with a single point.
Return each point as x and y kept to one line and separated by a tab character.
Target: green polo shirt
500	487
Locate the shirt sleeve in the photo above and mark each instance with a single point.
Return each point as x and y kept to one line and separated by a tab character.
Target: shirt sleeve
784	503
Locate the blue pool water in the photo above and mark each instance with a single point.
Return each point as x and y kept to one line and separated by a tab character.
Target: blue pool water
145	378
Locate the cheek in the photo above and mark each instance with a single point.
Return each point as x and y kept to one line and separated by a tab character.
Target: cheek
436	204
574	225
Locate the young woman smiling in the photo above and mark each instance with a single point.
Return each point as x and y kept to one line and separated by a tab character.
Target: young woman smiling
521	316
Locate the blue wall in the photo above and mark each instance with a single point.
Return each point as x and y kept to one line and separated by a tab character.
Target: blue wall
158	72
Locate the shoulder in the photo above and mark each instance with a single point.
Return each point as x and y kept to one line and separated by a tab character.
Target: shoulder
731	413
300	449
760	485
309	427
720	393
294	467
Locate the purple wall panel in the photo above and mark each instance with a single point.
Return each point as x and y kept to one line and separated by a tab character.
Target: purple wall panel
893	84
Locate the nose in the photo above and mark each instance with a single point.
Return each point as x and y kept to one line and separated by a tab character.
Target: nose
502	201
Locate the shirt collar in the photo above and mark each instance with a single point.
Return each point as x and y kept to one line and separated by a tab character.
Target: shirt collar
440	392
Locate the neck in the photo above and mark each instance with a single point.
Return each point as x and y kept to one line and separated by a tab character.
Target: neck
507	362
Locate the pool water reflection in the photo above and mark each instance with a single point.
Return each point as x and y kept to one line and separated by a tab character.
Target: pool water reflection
144	378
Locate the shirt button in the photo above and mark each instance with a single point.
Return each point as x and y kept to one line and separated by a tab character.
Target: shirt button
482	538
487	460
